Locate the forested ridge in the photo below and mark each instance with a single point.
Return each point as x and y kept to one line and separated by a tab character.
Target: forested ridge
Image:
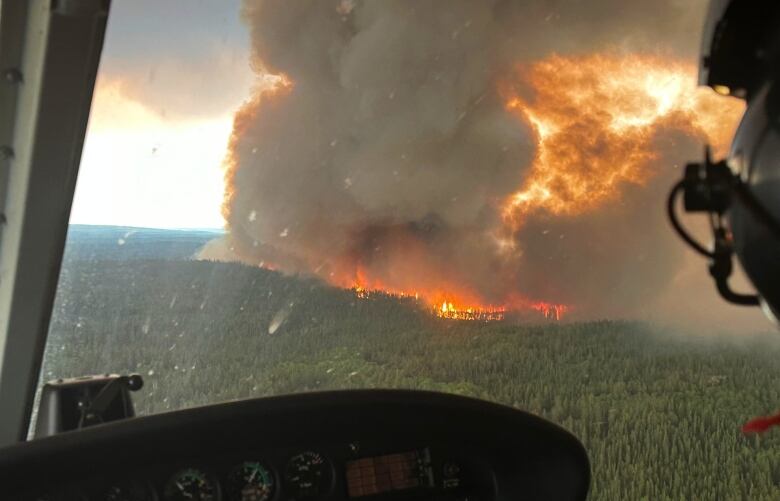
658	410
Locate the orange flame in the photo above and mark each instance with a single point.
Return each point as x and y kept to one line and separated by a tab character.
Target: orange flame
486	314
445	301
596	118
550	311
596	121
451	306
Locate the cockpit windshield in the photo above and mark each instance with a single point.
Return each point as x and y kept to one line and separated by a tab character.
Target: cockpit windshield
467	197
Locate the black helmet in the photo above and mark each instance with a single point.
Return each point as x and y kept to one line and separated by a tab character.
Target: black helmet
741	58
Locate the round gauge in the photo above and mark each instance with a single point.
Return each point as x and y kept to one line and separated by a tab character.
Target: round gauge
191	484
129	492
250	481
308	475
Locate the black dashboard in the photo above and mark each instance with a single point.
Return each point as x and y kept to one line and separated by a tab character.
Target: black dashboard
349	445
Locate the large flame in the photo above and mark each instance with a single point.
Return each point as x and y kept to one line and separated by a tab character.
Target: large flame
445	300
595	118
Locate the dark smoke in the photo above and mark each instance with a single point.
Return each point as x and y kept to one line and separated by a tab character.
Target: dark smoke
392	149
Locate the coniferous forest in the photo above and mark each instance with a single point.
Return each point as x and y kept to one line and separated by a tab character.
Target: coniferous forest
658	410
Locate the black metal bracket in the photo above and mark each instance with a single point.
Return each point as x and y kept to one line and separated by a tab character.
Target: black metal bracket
93	409
709	187
72	404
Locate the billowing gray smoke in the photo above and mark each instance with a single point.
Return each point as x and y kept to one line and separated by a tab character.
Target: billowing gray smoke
387	157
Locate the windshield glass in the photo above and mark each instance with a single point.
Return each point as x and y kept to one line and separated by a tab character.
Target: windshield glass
467	197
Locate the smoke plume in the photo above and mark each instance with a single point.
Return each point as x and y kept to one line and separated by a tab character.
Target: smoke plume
411	146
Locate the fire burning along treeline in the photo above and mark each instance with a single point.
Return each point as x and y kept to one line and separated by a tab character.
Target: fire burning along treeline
390	148
454	312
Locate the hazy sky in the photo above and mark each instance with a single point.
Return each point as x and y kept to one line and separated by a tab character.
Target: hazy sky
171	76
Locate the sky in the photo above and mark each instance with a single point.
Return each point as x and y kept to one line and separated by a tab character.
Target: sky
171	76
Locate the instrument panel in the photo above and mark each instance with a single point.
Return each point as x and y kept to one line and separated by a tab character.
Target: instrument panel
352	445
308	475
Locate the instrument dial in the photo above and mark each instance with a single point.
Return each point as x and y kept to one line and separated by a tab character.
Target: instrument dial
191	484
308	475
250	481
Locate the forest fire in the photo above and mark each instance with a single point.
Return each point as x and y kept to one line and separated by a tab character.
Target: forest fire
550	311
484	178
489	314
363	293
596	120
448	309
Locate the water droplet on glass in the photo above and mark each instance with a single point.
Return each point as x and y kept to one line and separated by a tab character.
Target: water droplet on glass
279	318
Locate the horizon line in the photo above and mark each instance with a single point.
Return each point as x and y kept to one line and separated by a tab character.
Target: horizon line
169	228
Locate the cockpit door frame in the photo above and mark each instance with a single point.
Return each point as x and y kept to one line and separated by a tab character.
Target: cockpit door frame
49	54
